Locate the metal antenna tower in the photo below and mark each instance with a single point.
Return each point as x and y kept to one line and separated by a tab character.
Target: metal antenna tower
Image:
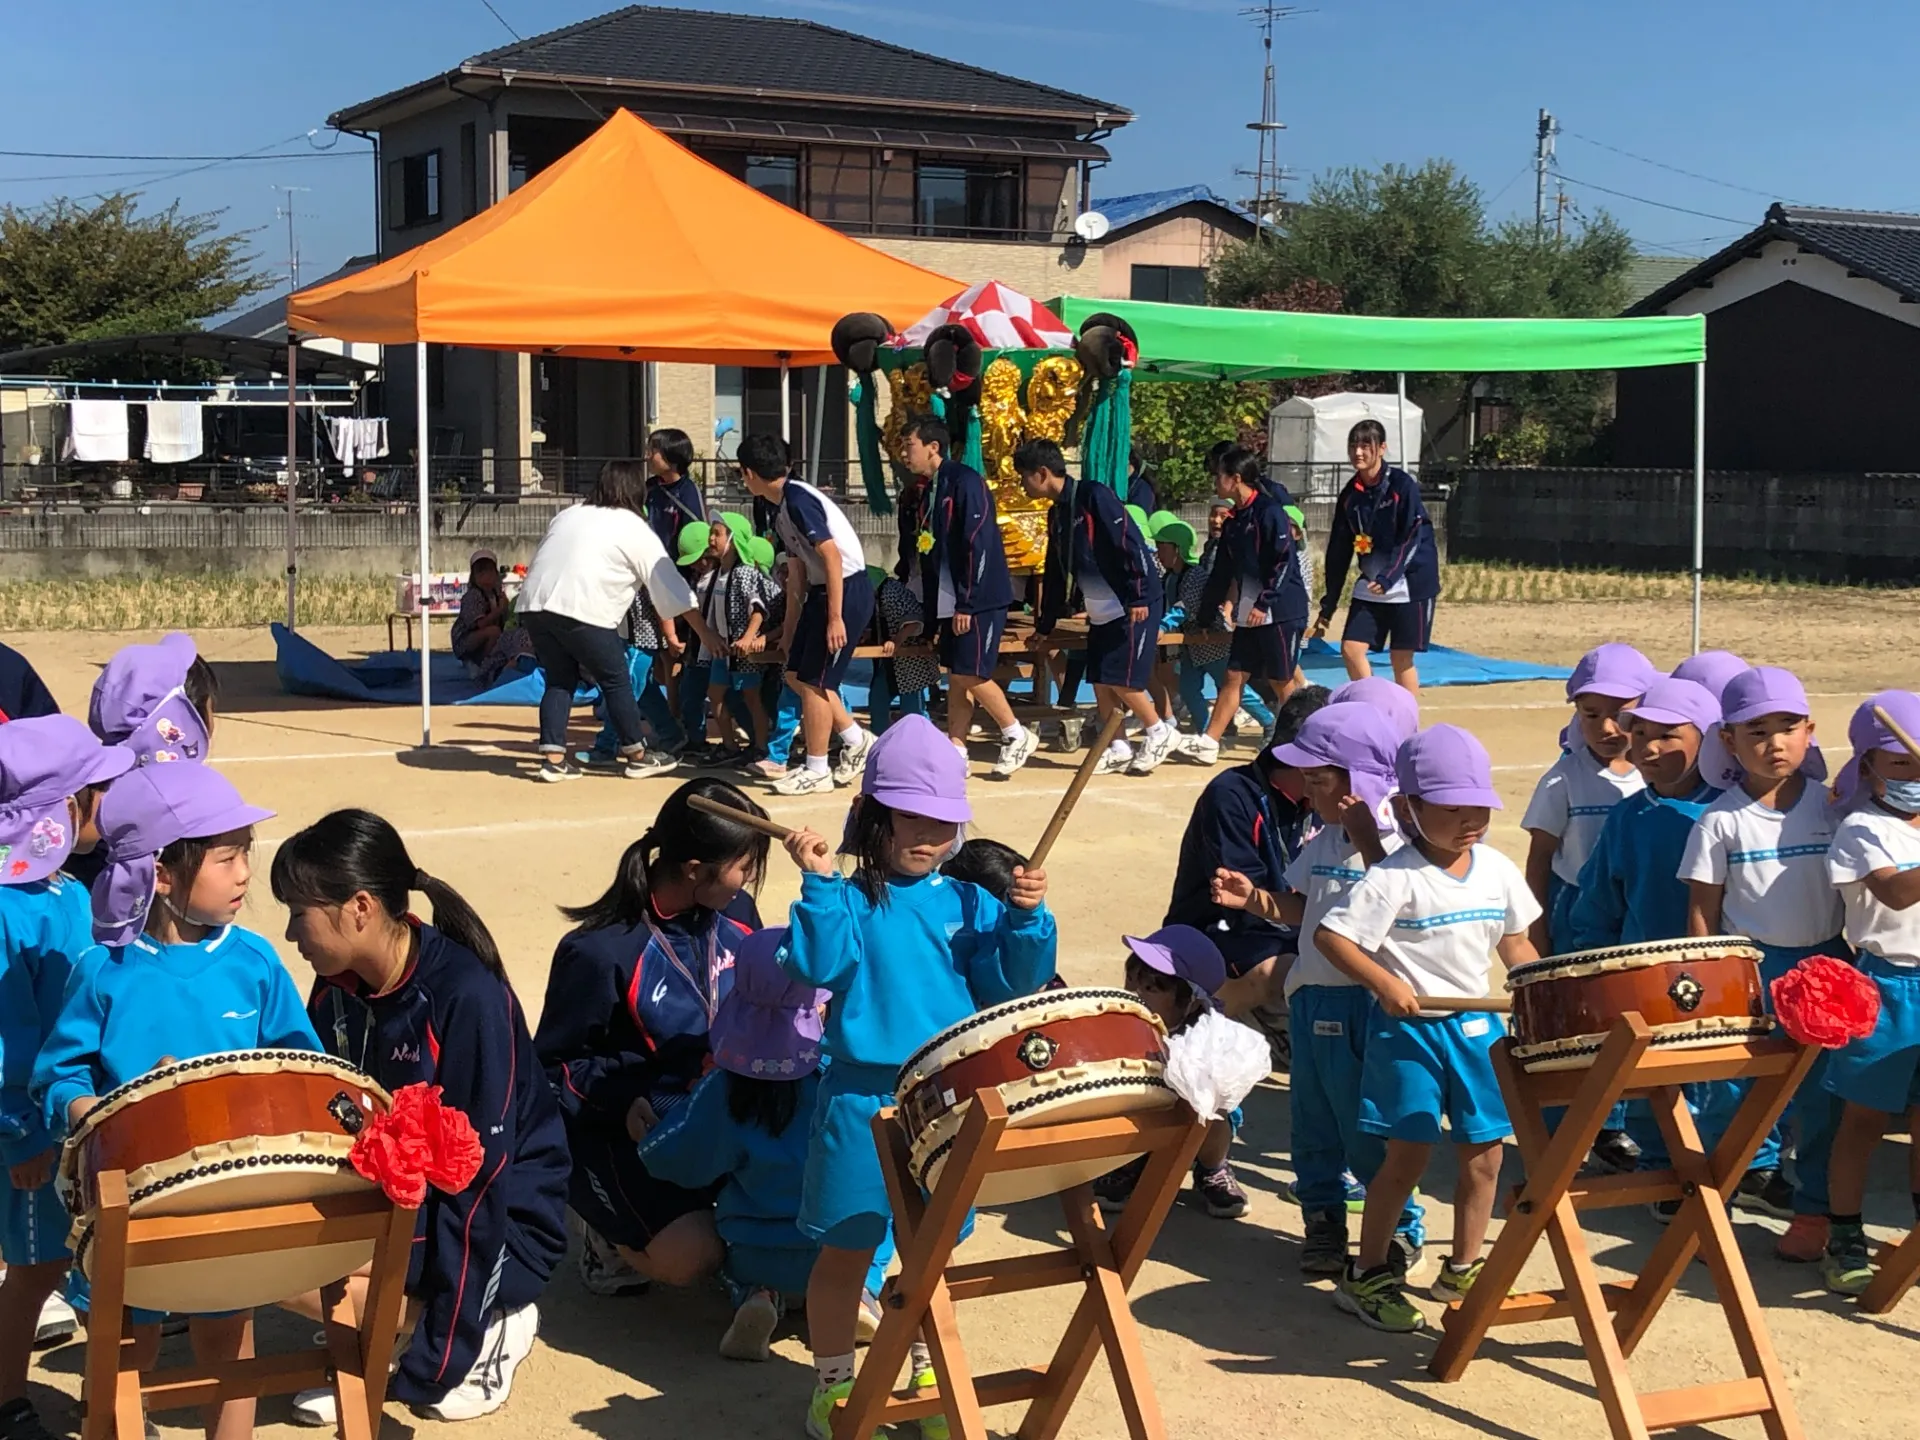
1268	176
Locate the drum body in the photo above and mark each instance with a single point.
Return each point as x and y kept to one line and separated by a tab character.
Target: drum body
1692	993
220	1133
1057	1056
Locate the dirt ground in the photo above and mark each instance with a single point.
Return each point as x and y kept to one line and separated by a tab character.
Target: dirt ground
1239	1344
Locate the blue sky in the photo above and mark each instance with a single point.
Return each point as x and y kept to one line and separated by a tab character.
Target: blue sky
1782	99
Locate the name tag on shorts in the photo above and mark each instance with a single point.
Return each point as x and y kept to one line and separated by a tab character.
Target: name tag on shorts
1475	1026
1333	1028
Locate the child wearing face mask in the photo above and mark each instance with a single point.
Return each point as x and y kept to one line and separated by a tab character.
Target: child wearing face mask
1427	920
905	952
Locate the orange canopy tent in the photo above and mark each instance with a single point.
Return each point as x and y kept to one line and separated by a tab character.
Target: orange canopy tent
630	247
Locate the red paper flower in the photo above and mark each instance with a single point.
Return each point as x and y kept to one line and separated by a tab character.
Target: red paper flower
419	1142
1826	1002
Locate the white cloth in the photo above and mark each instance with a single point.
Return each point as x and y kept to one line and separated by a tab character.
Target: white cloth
356	438
1773	864
1571	802
592	561
1326	869
1867	840
174	432
1434	931
817	513
1371	568
98	431
1102	604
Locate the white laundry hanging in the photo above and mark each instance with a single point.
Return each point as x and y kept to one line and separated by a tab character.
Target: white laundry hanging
174	432
97	433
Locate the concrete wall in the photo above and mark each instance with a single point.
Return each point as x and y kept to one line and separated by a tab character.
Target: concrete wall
1040	271
1177	238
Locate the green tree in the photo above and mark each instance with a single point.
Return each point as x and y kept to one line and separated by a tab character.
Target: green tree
71	271
1176	422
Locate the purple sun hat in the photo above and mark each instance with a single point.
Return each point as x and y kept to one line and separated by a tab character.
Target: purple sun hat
1864	732
1711	668
768	1027
1182	952
1398	703
43	761
140	702
914	767
1358	738
1678	701
1614	670
146	811
1445	765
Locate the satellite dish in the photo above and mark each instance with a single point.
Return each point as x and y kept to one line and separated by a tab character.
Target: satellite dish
1091	226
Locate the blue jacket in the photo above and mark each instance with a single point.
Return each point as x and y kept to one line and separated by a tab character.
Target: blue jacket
1630	888
701	1144
966	545
45	930
130	1007
1403	545
451	1022
627	1012
672	504
900	973
1090	533
1256	541
22	693
1242	823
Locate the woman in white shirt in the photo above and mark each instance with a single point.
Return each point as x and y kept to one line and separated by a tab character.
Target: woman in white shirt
591	563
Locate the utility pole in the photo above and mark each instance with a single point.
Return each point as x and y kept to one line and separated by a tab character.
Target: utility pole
1267	174
1560	204
1542	159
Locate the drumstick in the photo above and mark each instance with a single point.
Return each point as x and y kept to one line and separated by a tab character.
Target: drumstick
1880	714
1067	801
1455	1005
738	816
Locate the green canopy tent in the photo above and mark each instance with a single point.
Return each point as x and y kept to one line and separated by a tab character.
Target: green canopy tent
1199	342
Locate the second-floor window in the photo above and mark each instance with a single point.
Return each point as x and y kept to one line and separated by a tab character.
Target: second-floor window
1175	284
775	176
413	190
961	199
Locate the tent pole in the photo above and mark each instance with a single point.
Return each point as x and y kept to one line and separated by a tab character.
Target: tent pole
422	449
1699	490
786	403
293	469
1400	418
817	427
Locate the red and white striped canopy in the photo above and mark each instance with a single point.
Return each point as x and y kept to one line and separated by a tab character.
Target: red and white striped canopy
999	317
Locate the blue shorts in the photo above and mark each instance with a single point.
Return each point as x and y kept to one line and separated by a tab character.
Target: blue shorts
1389	624
1265	652
33	1226
782	1269
810	662
1882	1071
1120	652
1417	1071
976	653
732	675
843	1198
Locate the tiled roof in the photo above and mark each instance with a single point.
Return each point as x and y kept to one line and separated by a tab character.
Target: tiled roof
1881	246
1648	273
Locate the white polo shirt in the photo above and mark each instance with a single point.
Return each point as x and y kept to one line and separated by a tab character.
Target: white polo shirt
1773	864
1572	800
593	560
1437	932
1326	869
805	518
1867	840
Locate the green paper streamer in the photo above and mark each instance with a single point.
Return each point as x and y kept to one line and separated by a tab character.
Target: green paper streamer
866	435
1106	439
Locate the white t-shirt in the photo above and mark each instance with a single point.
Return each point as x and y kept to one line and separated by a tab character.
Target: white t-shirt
1103	606
592	561
1572	801
1326	869
1867	840
1773	864
1372	567
805	518
1434	931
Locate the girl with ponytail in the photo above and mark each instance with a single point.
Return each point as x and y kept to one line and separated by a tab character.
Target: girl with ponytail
408	1001
623	1032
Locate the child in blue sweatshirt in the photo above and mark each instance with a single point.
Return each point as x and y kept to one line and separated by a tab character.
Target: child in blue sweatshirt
408	1003
50	767
905	953
746	1129
179	979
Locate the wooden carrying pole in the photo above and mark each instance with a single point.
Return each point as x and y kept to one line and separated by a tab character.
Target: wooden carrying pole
1880	714
1081	776
739	817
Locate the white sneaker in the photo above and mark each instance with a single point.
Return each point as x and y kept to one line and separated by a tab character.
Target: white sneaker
1152	752
57	1322
1113	762
317	1409
509	1340
1201	749
1242	720
1015	752
853	759
602	1270
803	781
752	1328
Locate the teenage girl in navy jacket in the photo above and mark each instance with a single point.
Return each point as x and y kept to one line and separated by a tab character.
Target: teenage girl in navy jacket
623	1032
406	1001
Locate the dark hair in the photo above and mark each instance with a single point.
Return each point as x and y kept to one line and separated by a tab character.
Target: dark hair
679	833
988	864
184	857
765	455
1136	460
1368	429
1243	465
1293	714
202	689
349	851
1033	455
932	430
869	839
1216	452
674	447
767	1105
622	486
1184	993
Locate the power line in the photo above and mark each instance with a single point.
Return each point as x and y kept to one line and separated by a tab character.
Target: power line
136	174
1525	166
1643	200
1675	169
313	152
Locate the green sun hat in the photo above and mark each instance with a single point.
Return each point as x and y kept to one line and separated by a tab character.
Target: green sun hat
1140	519
739	527
1297	516
693	541
759	552
877	573
1170	529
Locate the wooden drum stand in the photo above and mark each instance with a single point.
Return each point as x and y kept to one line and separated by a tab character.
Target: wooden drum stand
1105	1263
1613	1318
115	1395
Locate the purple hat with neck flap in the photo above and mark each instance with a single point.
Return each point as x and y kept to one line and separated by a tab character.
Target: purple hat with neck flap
140	701
1182	952
1445	765
1677	701
914	767
142	814
1398	703
1711	668
44	761
1864	733
768	1027
1617	671
1358	738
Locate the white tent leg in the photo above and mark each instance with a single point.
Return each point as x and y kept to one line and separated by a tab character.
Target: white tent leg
1400	419
1699	490
293	469
426	630
817	429
786	405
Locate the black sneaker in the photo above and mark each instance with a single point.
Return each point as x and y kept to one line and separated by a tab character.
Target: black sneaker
1664	1210
1615	1150
1324	1251
1224	1198
1765	1192
1113	1190
20	1421
555	768
1405	1254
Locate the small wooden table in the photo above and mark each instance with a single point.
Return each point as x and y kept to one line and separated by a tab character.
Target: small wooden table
407	617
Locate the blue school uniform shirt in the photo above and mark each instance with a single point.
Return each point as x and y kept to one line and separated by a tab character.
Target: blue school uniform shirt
1256	548
671	505
1630	890
967	549
1392	515
131	1006
902	972
451	1022
46	929
701	1144
1093	545
1239	823
23	695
